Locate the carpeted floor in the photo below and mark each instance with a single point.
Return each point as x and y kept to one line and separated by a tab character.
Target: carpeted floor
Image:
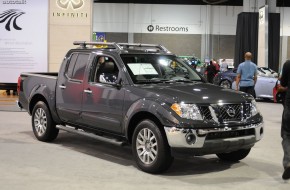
8	102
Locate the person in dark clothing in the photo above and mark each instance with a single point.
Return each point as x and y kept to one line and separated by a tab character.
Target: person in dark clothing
285	127
247	75
211	71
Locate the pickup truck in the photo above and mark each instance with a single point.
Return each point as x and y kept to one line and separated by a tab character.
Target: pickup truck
143	96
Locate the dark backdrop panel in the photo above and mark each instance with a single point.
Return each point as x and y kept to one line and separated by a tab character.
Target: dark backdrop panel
274	41
246	37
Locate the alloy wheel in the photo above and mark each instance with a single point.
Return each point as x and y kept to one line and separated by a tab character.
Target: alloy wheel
146	145
40	121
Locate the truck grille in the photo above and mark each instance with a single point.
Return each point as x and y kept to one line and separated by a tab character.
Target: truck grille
225	113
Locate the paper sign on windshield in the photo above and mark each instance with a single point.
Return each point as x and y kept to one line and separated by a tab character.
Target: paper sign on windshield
142	69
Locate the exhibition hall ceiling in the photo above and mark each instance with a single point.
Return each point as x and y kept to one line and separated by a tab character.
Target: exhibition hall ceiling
280	3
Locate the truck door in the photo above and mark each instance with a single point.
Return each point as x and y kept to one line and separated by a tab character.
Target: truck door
102	100
69	90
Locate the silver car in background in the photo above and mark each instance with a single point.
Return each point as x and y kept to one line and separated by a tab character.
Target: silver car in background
266	81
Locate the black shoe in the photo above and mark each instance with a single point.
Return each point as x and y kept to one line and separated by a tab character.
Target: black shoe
286	174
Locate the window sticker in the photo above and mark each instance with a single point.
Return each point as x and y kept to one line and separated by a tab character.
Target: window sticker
142	69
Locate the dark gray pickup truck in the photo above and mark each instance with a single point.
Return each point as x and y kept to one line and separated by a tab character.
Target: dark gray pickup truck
143	95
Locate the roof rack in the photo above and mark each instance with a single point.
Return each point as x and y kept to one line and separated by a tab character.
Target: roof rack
157	46
120	46
83	44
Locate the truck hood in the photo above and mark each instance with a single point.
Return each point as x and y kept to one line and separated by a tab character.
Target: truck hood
196	93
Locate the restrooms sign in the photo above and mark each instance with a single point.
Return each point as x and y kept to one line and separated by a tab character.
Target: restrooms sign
166	28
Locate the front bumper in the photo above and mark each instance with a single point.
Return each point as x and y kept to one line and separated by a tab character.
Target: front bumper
215	140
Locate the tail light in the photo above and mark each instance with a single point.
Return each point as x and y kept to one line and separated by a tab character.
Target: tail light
18	84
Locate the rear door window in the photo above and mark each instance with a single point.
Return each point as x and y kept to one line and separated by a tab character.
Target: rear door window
77	66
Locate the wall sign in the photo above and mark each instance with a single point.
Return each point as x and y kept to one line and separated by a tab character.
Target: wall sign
165	28
168	28
23	39
74	5
70	9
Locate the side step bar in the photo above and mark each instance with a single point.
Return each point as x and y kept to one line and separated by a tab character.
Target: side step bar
91	135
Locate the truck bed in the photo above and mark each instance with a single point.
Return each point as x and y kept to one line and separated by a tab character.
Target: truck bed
43	84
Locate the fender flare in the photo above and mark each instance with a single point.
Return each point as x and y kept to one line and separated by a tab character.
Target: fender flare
49	97
147	106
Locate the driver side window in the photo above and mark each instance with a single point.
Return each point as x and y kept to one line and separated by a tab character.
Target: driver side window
104	70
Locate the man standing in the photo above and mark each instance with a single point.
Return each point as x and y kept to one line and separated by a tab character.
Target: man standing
247	75
211	71
285	128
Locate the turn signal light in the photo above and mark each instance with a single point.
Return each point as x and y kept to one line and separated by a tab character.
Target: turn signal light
176	107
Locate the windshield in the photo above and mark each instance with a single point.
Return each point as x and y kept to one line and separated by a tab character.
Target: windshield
148	68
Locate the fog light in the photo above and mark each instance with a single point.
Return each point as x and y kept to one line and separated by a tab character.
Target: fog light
190	138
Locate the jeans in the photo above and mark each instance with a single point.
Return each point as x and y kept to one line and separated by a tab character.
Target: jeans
249	90
285	134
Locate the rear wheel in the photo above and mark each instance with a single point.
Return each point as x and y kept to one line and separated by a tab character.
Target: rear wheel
150	148
234	156
226	84
42	124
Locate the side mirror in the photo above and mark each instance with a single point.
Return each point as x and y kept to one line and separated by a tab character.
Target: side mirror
110	79
118	83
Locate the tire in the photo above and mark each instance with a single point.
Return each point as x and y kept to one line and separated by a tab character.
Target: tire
234	156
42	124
150	148
226	84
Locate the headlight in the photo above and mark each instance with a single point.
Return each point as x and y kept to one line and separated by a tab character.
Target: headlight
188	111
254	108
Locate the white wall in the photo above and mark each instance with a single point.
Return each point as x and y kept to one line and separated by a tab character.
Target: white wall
109	17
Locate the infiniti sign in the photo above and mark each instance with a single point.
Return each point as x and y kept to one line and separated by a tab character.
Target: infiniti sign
74	4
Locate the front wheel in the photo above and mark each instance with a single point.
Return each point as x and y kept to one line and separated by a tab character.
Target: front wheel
226	84
42	124
150	148
234	156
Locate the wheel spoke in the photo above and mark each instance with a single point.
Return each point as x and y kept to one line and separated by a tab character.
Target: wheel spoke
147	158
142	147
140	141
152	156
142	153
153	151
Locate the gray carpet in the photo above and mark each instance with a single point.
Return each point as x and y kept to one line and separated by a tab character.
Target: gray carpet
8	102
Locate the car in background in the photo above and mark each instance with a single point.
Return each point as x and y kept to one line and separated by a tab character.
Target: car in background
264	87
265	71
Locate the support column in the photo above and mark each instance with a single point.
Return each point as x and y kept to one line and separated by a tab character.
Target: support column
263	37
206	47
131	22
283	52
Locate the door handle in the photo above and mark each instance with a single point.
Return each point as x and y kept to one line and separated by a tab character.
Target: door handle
88	91
62	86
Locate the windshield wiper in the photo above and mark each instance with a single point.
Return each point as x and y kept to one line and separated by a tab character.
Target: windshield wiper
180	80
154	80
